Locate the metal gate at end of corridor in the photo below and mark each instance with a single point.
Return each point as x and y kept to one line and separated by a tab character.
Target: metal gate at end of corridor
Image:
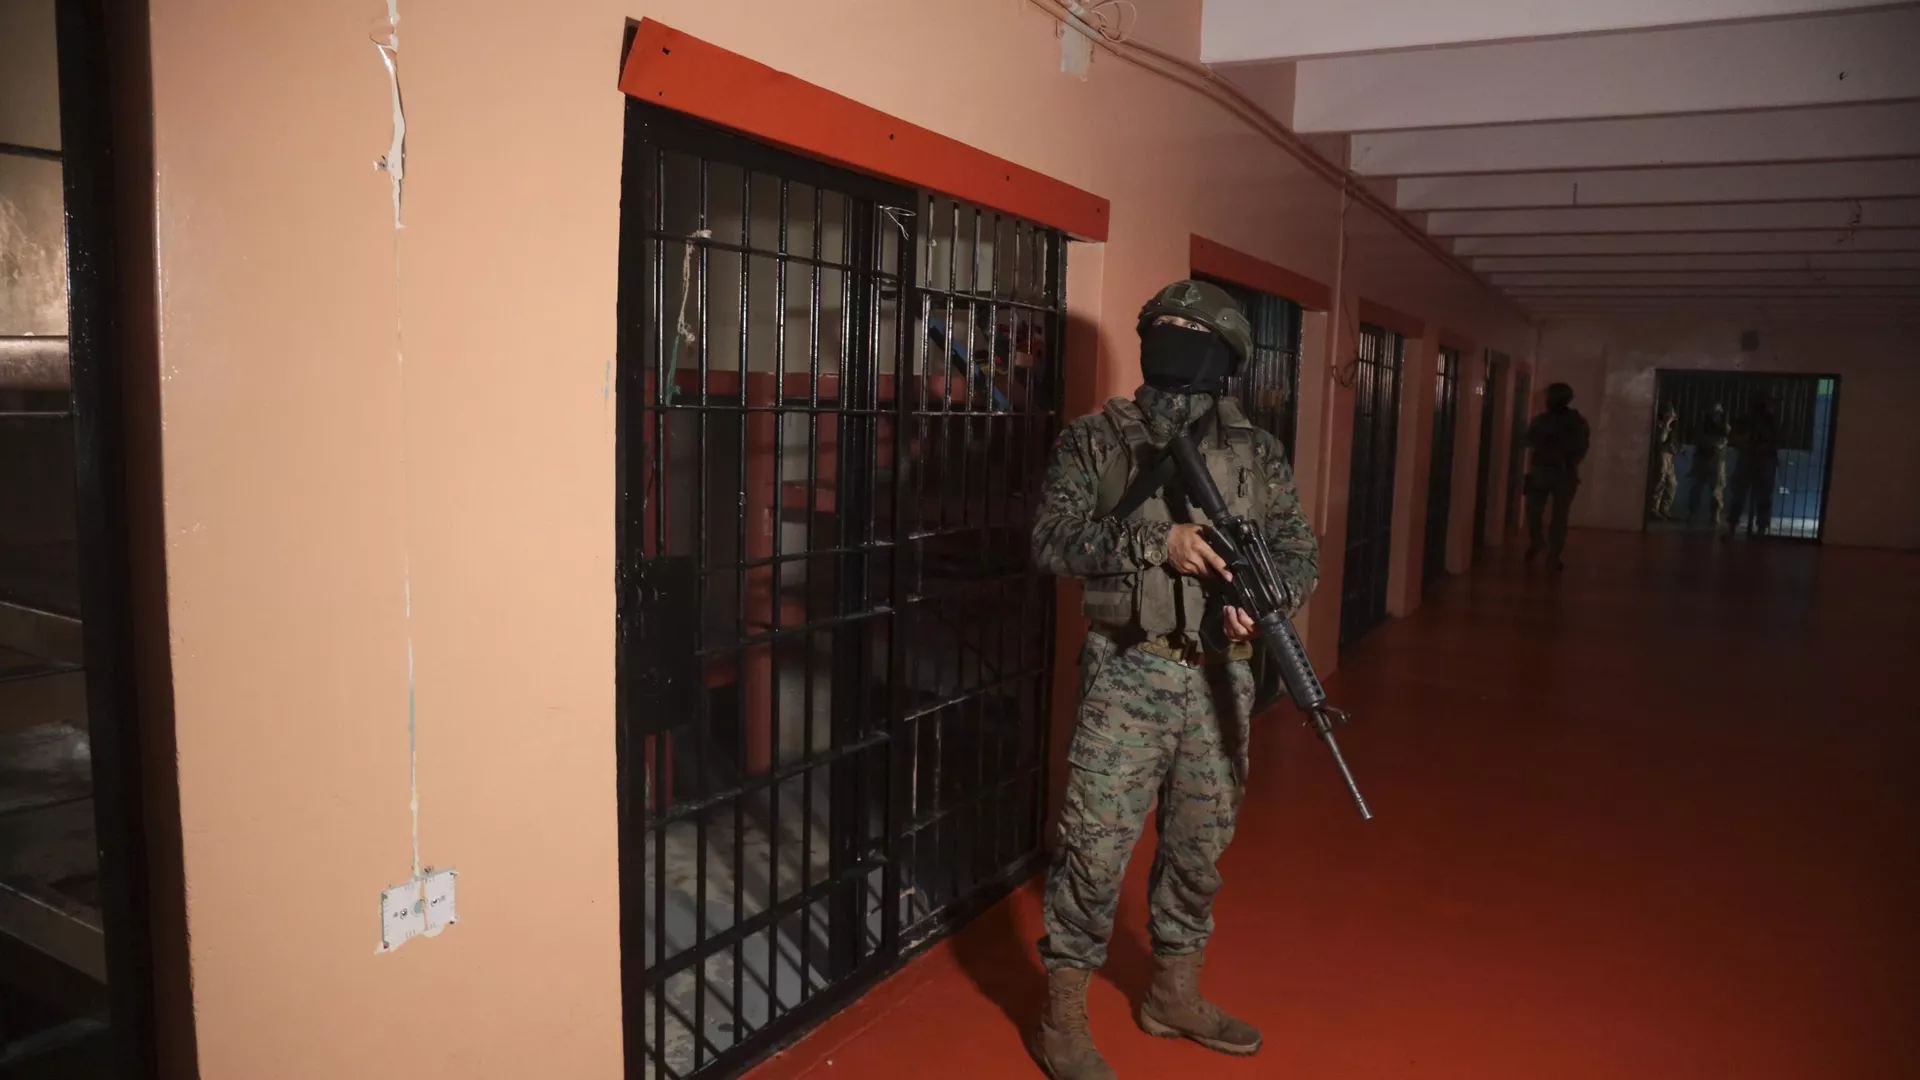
836	397
1780	482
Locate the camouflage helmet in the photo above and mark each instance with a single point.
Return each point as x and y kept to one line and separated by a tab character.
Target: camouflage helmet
1209	305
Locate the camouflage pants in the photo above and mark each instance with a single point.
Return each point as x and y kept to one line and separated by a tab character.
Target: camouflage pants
1711	482
1754	479
1665	488
1148	727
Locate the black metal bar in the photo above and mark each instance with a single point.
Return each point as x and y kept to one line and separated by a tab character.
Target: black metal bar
1440	476
654	205
778	585
899	768
744	250
743	720
813	511
746	928
1826	457
850	573
42	153
705	731
989	791
115	414
632	484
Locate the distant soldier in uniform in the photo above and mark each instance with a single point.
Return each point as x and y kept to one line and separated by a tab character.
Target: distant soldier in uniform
1159	714
1557	444
1666	443
1709	471
1754	474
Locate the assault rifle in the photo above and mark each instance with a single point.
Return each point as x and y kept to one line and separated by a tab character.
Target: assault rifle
1258	590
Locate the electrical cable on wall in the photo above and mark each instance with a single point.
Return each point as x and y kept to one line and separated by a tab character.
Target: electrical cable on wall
1202	80
423	905
1111	18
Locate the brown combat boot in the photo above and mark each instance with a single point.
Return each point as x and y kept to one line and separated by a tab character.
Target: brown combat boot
1063	1046
1174	1009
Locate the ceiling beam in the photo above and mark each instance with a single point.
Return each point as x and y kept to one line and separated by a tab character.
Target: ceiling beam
1838	59
1837	240
1241	30
1806	181
1768	217
1567	264
1768	279
1811	310
1821	134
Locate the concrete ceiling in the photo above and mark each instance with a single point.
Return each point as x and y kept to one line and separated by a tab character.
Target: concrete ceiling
1596	155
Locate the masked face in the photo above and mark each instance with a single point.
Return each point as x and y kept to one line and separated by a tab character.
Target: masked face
1182	359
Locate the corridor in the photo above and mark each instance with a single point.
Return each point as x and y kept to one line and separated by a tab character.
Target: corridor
1655	818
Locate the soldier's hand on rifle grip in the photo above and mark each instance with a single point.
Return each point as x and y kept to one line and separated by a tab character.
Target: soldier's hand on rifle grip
1239	625
1189	553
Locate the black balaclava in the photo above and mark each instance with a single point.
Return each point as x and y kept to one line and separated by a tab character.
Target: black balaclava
1184	360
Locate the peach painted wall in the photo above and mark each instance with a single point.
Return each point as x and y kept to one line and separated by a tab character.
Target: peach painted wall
1610	363
315	483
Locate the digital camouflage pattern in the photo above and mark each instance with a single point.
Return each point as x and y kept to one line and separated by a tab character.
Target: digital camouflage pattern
1148	727
1069	542
1666	442
1709	472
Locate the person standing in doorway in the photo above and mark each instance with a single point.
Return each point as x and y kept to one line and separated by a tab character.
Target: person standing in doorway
1754	475
1556	444
1666	443
1161	713
1709	472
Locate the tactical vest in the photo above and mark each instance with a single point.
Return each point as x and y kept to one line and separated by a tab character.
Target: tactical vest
1158	601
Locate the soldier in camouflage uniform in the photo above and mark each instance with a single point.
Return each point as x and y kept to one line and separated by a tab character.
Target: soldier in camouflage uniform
1709	472
1755	472
1159	716
1666	443
1557	443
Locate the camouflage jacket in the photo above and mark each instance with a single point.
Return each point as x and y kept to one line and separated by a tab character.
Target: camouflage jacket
1666	437
1067	540
1711	439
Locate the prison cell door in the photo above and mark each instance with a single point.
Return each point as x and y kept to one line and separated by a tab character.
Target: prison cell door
835	397
1376	439
1517	446
979	406
1446	411
1496	364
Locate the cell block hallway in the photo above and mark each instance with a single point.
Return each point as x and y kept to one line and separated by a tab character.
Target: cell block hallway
1654	819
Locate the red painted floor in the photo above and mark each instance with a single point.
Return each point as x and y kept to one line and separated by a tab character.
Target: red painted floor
1659	817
